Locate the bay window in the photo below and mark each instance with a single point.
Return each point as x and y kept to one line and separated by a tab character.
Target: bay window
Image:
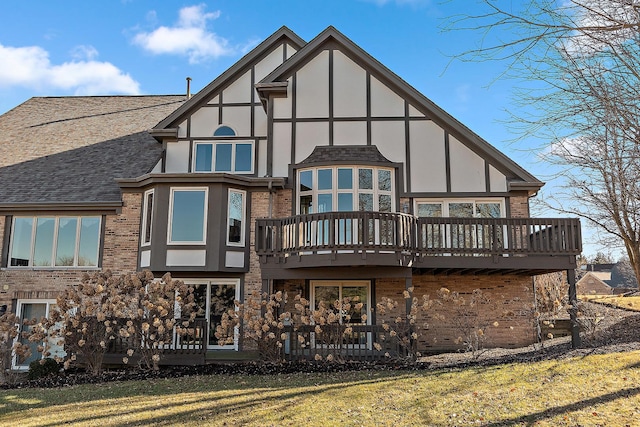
345	188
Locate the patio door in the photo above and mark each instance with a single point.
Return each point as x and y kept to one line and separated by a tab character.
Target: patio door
214	298
328	292
29	310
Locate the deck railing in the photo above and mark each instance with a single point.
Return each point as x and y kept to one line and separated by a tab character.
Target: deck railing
192	343
396	232
362	342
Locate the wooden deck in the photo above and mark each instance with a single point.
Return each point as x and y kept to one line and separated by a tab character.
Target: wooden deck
475	245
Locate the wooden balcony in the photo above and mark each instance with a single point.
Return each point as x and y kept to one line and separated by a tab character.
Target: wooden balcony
436	245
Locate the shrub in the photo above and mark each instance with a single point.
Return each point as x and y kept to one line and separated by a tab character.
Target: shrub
468	317
134	310
43	368
404	331
262	321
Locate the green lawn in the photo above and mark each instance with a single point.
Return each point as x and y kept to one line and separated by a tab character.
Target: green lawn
588	391
627	303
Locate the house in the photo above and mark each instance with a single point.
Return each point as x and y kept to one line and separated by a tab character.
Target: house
594	283
307	167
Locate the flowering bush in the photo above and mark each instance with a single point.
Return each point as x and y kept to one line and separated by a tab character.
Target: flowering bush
104	312
405	330
262	321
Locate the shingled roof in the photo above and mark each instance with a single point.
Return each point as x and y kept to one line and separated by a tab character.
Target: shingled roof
70	150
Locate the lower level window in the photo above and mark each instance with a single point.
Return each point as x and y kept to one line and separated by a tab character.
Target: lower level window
55	241
30	311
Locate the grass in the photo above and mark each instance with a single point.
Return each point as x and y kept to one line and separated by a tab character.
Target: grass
627	303
590	390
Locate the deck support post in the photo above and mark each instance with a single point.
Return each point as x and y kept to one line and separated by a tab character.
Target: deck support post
573	311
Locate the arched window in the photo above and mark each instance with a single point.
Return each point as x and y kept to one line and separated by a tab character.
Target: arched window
224	131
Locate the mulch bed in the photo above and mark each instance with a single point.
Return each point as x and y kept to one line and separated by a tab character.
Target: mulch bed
619	333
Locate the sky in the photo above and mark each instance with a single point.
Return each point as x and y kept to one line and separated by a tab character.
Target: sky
130	47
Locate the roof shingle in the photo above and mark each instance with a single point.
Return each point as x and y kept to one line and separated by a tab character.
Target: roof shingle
71	149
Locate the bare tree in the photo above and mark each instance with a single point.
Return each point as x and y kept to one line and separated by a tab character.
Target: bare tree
578	62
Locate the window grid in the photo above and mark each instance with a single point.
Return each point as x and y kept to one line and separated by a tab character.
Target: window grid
206	156
371	189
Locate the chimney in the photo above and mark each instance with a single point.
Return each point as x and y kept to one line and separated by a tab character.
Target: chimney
188	87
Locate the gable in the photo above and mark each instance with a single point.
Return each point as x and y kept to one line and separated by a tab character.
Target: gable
333	93
230	100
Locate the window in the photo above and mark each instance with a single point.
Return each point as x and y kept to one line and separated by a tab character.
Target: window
147	218
224	131
459	233
460	208
187	216
36	309
56	241
232	157
235	218
349	188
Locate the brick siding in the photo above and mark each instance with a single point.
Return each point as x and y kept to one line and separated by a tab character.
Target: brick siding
120	255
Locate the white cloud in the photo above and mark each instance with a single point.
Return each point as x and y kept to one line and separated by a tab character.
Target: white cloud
31	67
84	52
602	23
189	37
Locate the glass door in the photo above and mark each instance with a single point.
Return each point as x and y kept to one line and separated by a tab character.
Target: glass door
347	304
214	298
29	313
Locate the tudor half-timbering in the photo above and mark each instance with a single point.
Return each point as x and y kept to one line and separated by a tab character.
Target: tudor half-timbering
305	167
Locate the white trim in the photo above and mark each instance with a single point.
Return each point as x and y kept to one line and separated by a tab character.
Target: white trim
214	147
243	219
205	216
145	206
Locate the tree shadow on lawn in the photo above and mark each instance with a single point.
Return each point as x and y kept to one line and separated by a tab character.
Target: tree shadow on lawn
252	395
576	406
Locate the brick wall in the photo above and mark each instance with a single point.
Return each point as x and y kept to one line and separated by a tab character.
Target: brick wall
507	316
519	205
120	255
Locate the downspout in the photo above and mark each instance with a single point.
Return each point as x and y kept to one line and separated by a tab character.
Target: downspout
271	192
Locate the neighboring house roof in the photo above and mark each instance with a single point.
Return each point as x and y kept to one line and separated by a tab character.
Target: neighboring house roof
592	283
70	150
519	178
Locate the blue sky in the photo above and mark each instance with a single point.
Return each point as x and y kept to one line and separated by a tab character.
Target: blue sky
51	48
